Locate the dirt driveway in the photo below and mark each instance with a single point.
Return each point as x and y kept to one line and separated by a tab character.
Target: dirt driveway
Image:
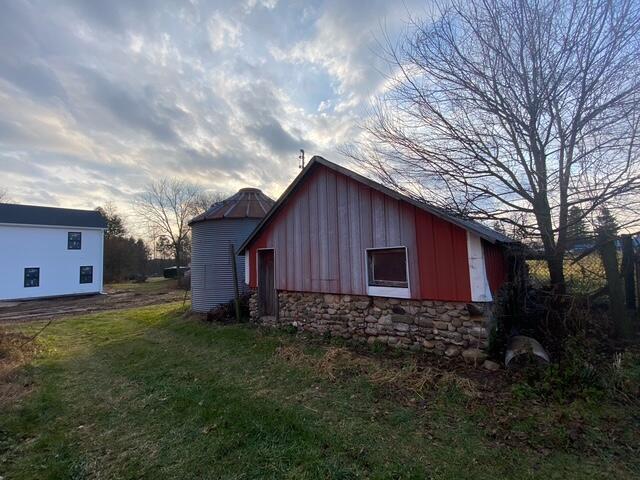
117	296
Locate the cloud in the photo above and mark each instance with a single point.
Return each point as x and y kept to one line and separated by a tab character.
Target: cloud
137	109
99	98
223	32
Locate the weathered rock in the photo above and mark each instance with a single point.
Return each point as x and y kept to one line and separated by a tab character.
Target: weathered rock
412	309
474	355
479	332
444	328
401	318
491	365
452	351
401	327
424	322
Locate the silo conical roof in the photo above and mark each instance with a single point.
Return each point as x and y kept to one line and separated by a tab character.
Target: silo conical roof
246	203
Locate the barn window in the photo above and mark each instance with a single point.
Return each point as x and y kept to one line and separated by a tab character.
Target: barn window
31	277
74	241
86	274
387	267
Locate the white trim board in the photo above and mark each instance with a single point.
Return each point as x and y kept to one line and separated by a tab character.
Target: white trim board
247	271
64	227
480	291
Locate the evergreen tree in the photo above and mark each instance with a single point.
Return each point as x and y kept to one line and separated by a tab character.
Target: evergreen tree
606	224
576	227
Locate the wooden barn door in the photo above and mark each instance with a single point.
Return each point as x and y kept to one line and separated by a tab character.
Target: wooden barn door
266	283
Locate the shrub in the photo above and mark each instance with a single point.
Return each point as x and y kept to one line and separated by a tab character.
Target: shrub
226	313
583	372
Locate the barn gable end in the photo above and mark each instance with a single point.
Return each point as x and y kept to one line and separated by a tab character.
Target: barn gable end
322	230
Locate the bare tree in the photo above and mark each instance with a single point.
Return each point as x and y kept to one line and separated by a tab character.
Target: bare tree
166	207
517	111
4	196
207	199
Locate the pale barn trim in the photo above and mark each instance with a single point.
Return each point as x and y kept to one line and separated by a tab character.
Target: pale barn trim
480	291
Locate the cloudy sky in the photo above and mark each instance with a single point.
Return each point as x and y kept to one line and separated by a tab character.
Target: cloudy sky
98	98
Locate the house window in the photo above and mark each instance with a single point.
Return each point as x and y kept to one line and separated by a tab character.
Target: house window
388	267
86	274
74	241
31	277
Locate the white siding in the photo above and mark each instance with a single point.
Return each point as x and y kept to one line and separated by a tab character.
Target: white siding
45	247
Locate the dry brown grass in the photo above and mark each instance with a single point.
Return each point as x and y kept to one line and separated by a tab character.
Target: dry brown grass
406	378
15	351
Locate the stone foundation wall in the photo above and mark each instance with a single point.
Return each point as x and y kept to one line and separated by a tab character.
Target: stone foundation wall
445	328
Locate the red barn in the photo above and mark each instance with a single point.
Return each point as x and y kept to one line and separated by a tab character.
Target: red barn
336	241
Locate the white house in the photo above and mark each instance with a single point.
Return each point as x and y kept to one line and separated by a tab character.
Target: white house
48	252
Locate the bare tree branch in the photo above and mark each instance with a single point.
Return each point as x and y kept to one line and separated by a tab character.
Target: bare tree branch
166	207
515	111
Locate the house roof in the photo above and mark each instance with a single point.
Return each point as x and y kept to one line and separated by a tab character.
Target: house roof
482	231
246	203
62	217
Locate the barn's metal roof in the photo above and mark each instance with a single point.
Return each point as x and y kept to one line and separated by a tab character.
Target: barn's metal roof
62	217
246	203
479	229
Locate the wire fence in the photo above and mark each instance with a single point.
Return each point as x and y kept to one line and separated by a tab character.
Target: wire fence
584	274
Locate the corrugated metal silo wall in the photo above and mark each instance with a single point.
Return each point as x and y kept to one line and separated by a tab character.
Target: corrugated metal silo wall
211	273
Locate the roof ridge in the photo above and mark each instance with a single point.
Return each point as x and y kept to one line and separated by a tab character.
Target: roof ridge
465	223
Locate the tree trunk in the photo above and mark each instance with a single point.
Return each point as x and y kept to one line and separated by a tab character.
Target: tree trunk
628	272
553	251
555	263
178	271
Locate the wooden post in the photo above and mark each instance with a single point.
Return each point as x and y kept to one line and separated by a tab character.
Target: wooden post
628	264
234	269
637	266
617	310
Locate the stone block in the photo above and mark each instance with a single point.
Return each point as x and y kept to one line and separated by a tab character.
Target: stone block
424	322
395	318
474	355
452	351
490	365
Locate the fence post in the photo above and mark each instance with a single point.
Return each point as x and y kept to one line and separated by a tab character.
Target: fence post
617	309
234	270
628	264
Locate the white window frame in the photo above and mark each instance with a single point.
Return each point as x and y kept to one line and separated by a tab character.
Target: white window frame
391	292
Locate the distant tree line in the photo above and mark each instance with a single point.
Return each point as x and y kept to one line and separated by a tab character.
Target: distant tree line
125	257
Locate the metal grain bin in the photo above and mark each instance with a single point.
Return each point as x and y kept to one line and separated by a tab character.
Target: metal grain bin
224	223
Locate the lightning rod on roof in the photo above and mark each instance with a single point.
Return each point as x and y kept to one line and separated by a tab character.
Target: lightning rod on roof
301	159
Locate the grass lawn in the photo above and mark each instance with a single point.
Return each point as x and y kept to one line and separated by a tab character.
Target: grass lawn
150	393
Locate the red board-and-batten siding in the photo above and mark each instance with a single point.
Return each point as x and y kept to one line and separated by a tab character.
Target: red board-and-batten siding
321	234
